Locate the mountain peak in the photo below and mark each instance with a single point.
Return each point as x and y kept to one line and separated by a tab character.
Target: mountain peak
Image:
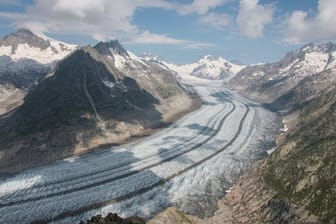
24	36
111	47
23	32
326	47
25	44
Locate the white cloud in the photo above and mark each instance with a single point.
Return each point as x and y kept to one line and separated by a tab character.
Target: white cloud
102	19
253	18
146	37
300	27
200	7
197	45
216	20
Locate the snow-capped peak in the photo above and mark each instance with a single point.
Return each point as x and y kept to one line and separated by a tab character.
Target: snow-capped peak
310	59
208	67
24	44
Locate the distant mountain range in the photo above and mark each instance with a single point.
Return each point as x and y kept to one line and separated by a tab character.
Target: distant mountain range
208	67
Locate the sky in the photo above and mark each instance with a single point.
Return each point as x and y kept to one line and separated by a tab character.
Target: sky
180	31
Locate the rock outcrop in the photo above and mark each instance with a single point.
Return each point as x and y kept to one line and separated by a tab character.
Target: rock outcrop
112	218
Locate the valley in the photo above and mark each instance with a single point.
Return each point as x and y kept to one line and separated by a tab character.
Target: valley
187	165
96	129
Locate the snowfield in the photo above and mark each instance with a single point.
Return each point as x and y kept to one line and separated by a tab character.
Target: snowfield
189	164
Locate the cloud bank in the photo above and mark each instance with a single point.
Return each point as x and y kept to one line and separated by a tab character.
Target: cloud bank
253	18
106	19
300	26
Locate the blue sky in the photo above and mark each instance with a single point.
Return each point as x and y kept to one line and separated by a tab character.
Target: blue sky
180	31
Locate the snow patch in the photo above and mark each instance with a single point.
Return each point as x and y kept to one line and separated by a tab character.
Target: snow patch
24	51
259	73
18	184
109	84
316	60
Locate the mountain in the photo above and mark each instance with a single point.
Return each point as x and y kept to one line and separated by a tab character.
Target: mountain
296	183
111	48
306	90
96	96
25	58
24	44
208	67
266	82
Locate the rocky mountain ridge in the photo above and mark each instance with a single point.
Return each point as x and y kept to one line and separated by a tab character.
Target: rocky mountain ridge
266	82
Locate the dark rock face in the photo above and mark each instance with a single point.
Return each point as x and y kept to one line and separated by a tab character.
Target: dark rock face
76	89
81	94
86	103
112	218
22	74
105	48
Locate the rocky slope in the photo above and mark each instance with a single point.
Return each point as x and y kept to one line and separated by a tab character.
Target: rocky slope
25	58
296	184
266	82
96	96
